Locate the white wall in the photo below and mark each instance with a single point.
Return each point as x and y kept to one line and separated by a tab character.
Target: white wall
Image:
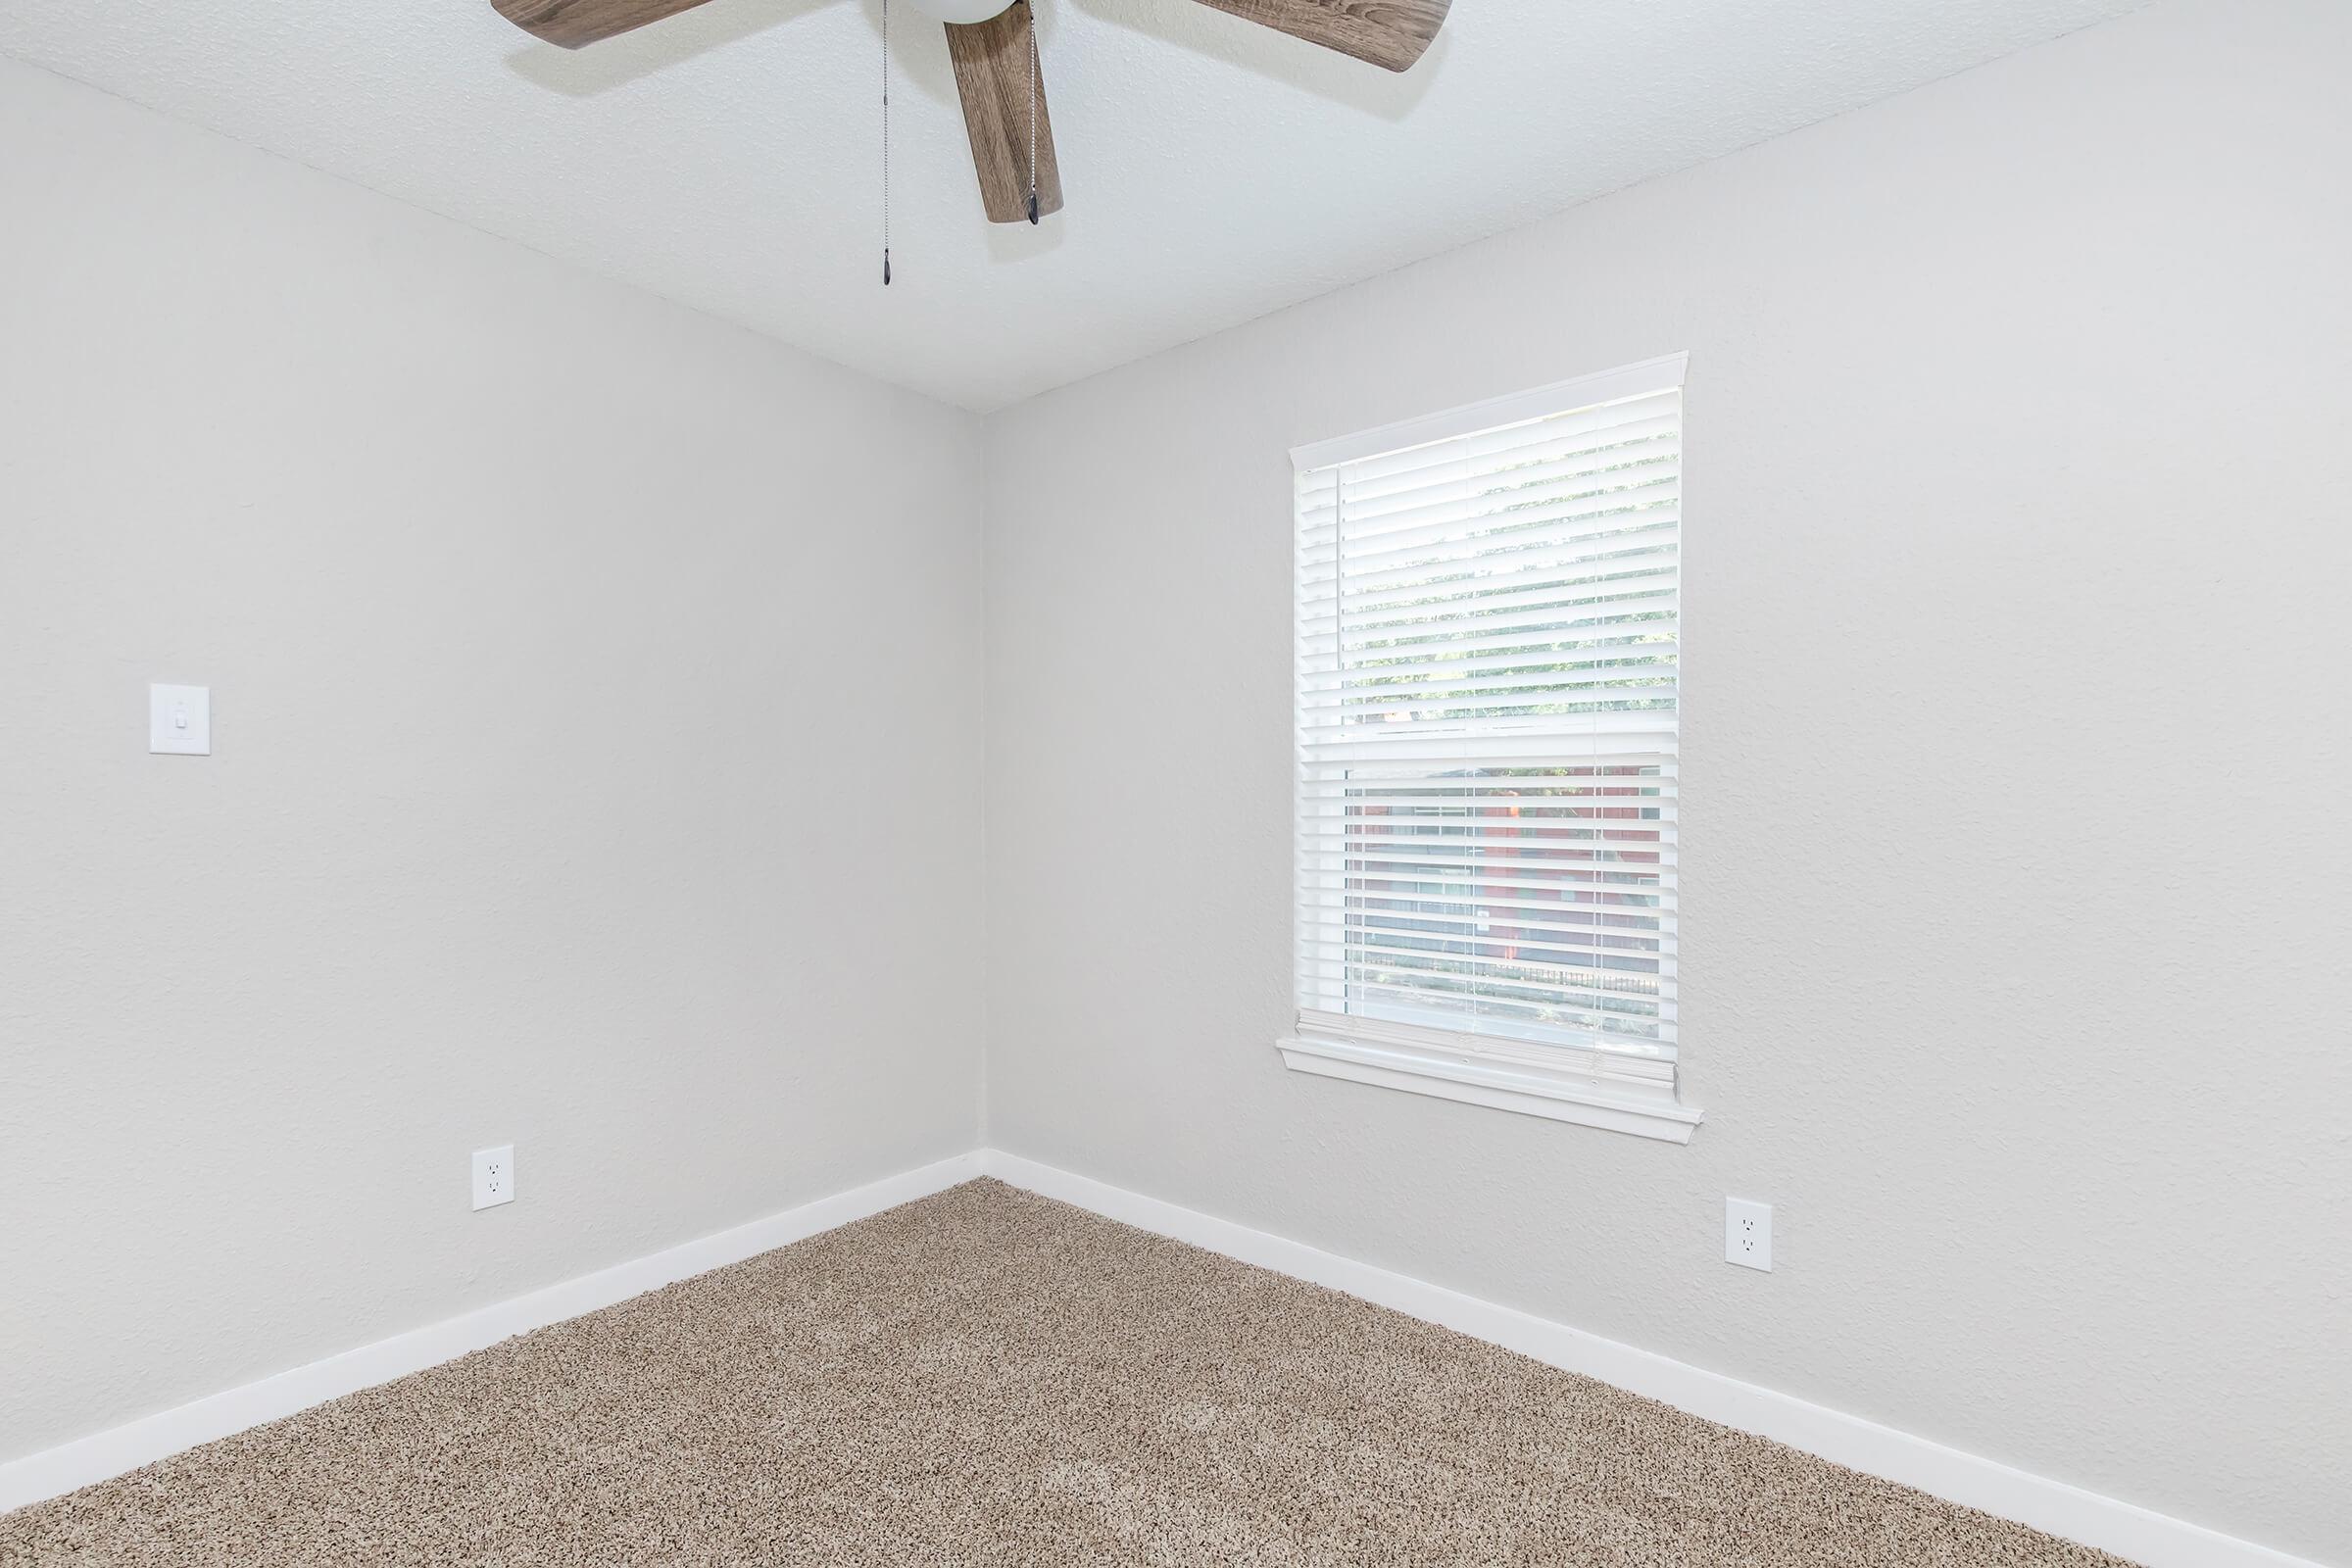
594	685
2015	839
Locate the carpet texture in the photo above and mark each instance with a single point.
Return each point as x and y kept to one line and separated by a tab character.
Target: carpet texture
988	1377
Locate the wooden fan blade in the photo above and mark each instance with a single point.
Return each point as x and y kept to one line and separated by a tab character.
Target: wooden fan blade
1391	33
992	76
574	23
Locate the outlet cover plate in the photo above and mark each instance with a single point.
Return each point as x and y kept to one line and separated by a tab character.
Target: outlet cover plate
1747	1234
494	1176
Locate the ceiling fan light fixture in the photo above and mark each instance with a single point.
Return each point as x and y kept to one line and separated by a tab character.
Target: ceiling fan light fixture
964	12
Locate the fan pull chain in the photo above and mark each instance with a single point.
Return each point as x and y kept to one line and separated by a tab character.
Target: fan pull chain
1029	9
886	143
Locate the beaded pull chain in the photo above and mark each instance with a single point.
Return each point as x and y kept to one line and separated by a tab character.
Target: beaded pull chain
1030	11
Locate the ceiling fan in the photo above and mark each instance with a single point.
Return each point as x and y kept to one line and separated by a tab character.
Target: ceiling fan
991	43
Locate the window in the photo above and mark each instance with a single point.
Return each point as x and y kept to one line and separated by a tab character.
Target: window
1488	606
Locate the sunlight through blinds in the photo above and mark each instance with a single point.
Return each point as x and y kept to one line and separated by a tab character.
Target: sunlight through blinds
1487	646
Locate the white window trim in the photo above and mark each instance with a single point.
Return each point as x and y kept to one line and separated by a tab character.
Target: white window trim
1456	1069
1531	1091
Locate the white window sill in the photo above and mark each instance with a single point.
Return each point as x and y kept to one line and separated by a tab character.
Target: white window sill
1530	1091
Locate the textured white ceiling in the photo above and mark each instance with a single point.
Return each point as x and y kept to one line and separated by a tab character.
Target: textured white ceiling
729	158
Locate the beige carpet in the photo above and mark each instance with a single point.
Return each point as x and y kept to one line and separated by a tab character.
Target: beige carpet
989	1377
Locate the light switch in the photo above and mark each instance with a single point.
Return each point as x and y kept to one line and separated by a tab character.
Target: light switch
179	720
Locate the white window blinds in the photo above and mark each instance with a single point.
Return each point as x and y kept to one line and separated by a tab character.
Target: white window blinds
1488	619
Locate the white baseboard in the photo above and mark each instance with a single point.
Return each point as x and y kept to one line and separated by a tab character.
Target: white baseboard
2122	1527
2125	1529
87	1460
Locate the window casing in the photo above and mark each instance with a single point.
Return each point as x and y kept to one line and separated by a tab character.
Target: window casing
1489	677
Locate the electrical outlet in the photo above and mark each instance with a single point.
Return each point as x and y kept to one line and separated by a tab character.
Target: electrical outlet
493	1176
1747	1234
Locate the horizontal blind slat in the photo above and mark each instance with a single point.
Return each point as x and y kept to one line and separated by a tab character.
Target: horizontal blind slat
1635	594
1597	427
1573	570
1404	518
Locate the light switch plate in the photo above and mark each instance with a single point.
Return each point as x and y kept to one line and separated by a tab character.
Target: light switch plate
1747	1234
179	720
494	1176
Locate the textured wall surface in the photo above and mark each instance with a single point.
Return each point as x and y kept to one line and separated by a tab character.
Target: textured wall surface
2014	840
590	683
